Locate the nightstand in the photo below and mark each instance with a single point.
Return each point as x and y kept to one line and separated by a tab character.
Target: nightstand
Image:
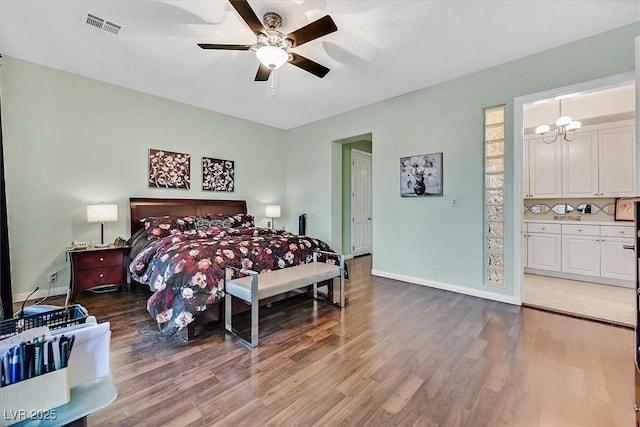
93	267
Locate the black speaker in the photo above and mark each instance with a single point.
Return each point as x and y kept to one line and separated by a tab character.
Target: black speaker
302	224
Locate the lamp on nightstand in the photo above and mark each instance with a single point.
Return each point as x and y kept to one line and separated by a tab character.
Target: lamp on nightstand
272	211
102	213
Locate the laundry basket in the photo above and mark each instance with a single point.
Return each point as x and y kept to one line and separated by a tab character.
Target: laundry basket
54	319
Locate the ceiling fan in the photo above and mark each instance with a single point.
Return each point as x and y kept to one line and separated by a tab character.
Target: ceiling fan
272	46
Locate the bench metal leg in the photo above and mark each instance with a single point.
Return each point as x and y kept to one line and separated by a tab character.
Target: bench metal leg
331	301
255	307
227	312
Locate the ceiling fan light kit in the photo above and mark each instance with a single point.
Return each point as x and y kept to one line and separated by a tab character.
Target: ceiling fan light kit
272	46
272	57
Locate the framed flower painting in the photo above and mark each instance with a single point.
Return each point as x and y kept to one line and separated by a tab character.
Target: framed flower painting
421	175
218	174
169	170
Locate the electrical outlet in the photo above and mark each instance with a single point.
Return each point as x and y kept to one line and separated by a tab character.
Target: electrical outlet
268	224
454	203
53	277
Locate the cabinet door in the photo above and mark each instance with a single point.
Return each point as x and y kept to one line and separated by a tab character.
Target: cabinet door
581	255
616	261
543	251
525	169
525	239
545	169
580	165
617	161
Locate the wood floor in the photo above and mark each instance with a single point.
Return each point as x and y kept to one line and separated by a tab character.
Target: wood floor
398	354
605	303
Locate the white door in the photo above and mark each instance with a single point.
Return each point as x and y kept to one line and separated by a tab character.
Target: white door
360	203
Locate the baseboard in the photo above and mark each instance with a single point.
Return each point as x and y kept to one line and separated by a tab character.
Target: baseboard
41	293
509	299
582	278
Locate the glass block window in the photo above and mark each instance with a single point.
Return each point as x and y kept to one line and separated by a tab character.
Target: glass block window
494	195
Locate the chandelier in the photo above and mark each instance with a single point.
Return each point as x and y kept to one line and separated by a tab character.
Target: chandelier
565	128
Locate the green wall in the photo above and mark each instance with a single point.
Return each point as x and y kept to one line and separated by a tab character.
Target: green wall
346	189
427	240
70	141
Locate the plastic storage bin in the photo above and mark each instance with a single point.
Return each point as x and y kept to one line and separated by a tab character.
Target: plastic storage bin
54	319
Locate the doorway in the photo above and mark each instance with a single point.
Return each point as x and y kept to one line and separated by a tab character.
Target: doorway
551	286
361	220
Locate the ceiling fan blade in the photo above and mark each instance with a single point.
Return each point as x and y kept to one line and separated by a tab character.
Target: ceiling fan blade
263	73
249	16
225	46
318	28
309	65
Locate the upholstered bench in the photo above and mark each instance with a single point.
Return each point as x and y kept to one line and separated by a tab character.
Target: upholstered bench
255	286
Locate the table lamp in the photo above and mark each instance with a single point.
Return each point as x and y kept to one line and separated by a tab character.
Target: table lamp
102	213
272	211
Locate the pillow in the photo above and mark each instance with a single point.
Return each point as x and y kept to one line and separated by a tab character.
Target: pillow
242	221
200	223
138	242
236	221
160	226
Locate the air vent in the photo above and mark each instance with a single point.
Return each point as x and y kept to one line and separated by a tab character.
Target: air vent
94	21
111	27
103	24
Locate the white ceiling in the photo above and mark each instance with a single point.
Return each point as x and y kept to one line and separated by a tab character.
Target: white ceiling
382	49
599	106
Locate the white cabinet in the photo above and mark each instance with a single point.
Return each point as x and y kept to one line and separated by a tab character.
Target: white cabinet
617	161
581	249
524	245
618	256
543	169
600	253
544	246
580	165
598	162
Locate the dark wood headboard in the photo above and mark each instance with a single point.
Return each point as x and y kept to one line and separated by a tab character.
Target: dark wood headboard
144	207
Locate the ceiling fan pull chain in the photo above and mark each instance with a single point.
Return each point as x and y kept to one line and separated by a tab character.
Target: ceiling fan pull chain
273	86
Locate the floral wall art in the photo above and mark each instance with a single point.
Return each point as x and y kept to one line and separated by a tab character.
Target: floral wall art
421	175
169	170
218	174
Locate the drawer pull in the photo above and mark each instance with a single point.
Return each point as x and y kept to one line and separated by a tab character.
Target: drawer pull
101	275
632	247
101	259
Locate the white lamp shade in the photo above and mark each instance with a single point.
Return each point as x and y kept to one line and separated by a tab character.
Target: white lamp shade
563	121
574	125
102	213
272	57
272	211
543	129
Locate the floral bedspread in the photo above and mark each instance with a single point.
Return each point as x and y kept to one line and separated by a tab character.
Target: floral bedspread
186	270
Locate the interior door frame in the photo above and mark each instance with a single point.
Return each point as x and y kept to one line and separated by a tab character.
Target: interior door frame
364	153
518	157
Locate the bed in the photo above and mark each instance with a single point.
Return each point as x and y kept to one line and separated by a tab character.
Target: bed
180	248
